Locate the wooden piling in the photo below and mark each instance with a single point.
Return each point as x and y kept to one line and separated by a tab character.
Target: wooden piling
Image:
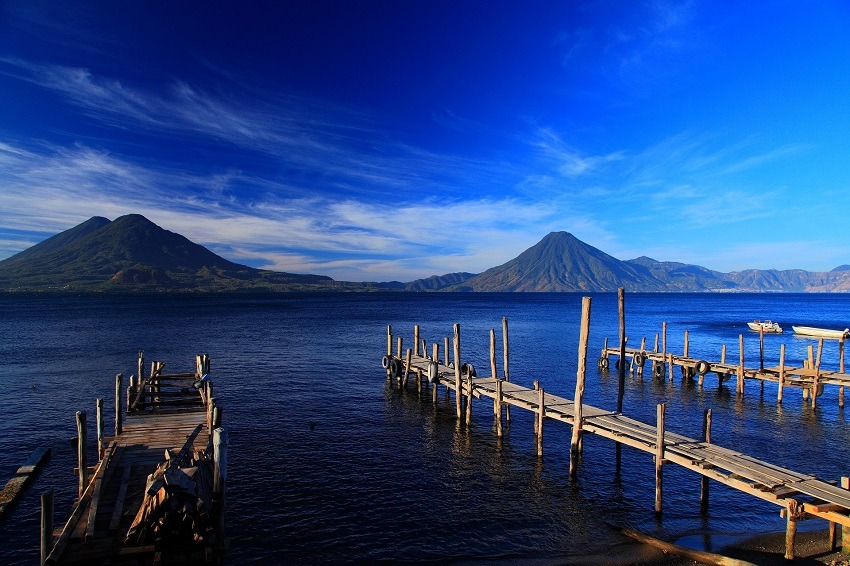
655	349
845	531
536	386
82	453
407	361
505	362
416	339
497	407
841	370
621	305
447	350
579	395
659	455
99	426
781	373
220	471
740	387
706	437
389	348
664	340
793	513
46	525
541	415
118	390
399	343
723	354
817	376
761	348
458	391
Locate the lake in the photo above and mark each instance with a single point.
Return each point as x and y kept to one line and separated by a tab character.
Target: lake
329	463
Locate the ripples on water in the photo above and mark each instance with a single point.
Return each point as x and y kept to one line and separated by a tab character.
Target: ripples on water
387	476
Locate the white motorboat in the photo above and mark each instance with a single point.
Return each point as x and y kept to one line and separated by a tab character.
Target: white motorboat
766	326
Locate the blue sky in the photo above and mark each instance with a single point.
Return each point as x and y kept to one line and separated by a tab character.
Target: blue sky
382	140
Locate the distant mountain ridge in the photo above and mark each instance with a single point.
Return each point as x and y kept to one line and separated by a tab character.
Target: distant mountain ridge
132	254
560	262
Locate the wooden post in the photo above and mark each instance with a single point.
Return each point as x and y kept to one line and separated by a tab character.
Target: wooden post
686	371
493	353
845	531
670	361
655	349
140	373
447	349
407	361
118	390
505	362
399	350
740	388
793	514
817	376
541	415
458	390
416	340
82	460
435	352
389	347
220	472
664	339
580	374
659	455
536	385
841	370
706	437
469	400
781	373
761	348
687	345
723	354
497	407
99	426
46	525
621	303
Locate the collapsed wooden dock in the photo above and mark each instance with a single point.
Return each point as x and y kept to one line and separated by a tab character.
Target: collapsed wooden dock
810	376
156	491
799	495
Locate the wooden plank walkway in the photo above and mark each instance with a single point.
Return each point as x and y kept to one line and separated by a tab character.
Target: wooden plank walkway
810	377
160	449
800	495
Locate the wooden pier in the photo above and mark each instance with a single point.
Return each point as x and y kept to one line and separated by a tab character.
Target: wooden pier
155	493
799	495
809	376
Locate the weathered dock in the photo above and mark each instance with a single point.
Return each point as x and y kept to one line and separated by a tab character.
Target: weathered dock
23	476
810	376
156	491
799	495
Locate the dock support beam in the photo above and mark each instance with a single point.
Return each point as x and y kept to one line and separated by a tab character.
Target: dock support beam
119	378
82	453
781	373
458	390
541	415
621	305
845	531
706	437
793	512
740	387
580	374
659	456
46	525
99	421
506	362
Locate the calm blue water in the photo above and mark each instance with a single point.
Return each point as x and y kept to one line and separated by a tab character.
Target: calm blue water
387	476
